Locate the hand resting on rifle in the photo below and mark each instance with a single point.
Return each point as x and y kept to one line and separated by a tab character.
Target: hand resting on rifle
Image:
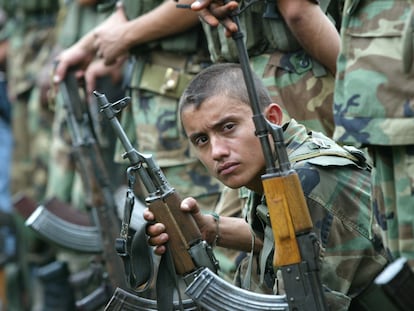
232	232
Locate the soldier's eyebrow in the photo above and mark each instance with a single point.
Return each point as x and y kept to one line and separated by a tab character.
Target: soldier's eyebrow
214	126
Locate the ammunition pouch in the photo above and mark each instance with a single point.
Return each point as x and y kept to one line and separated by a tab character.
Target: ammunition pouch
166	73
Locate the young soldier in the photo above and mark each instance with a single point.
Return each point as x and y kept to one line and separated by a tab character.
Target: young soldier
217	119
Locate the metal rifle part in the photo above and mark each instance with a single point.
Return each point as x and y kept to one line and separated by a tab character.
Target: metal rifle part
296	248
213	293
84	239
60	224
125	301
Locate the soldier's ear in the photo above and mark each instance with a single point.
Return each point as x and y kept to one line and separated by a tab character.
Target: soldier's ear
274	113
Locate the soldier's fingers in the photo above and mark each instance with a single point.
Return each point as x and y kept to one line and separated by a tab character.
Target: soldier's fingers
59	71
159	250
155	230
148	215
189	205
158	239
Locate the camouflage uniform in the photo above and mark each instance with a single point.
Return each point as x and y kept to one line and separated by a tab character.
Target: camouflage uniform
162	70
374	107
30	45
297	82
337	190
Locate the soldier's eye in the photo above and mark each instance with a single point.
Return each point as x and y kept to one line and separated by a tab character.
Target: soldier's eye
200	140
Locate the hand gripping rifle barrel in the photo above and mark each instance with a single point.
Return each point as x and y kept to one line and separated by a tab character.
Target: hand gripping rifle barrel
189	252
296	248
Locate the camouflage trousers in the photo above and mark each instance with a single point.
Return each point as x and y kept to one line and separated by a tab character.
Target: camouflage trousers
393	197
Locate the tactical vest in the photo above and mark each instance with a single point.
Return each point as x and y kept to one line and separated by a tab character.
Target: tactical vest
264	31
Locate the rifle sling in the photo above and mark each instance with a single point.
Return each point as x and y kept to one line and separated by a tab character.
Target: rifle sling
167	281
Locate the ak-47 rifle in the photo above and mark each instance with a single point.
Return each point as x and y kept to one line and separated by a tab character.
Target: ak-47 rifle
296	247
99	198
186	248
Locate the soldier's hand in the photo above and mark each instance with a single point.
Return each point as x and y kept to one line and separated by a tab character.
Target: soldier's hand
214	12
97	69
75	56
110	38
156	231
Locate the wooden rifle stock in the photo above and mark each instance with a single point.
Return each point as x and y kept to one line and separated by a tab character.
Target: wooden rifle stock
289	215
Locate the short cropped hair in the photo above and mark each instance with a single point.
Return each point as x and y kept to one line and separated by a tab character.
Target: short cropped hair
224	79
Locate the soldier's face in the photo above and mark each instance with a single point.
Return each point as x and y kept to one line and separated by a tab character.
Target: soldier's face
221	131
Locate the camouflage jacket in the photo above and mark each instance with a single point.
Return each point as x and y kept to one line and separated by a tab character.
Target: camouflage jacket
337	192
374	94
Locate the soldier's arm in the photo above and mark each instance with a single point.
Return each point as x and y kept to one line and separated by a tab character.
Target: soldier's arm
163	21
83	52
312	28
231	232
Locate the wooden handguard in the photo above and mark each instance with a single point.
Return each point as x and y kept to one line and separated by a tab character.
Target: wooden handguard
289	215
181	228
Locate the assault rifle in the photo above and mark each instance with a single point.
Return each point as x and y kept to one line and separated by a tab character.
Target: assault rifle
296	248
186	249
100	237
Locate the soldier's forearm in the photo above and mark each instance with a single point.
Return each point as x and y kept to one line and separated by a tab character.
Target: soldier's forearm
163	21
235	233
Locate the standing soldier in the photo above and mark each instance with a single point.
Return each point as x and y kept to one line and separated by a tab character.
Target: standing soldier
374	107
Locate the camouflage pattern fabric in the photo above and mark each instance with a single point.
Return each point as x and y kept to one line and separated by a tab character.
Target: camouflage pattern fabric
292	83
374	107
393	188
31	118
337	192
